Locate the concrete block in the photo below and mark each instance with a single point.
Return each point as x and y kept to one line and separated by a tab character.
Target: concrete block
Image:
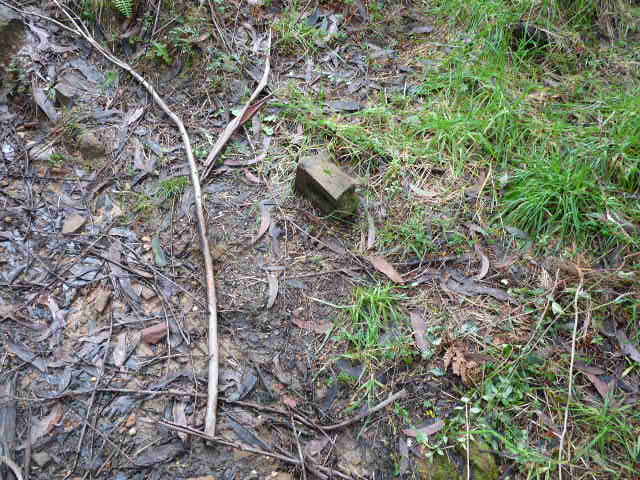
326	185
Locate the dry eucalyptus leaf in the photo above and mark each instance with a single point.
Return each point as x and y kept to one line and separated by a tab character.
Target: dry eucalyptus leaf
289	401
314	447
180	418
272	279
45	103
73	223
154	333
371	231
42	426
421	192
628	348
484	266
8	311
251	177
428	430
265	221
299	321
386	268
120	350
102	297
603	388
419	329
133	115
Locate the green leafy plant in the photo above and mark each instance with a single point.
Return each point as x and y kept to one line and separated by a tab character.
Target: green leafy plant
172	187
125	7
142	203
295	34
412	235
57	159
111	78
162	52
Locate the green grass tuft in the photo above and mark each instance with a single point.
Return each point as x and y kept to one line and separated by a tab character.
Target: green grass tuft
554	196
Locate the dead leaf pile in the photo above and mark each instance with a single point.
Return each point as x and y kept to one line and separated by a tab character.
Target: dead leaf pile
462	364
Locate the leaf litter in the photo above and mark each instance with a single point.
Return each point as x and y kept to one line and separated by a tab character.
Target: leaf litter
99	306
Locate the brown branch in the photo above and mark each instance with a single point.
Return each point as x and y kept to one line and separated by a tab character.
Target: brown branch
368	412
210	420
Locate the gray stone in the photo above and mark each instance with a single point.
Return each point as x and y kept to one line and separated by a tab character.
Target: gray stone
90	147
12	35
42	459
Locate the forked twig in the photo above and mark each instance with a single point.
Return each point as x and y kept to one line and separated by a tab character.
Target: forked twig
367	412
236	122
210	419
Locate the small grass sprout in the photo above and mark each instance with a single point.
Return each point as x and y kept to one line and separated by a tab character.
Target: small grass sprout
172	187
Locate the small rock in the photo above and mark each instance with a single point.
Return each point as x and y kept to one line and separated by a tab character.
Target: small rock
42	459
147	293
102	299
90	147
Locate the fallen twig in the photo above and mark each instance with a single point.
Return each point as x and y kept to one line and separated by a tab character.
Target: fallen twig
300	454
571	365
12	466
222	441
237	121
210	420
366	413
91	402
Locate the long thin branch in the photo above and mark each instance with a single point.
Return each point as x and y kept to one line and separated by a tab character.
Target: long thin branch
571	364
210	419
12	466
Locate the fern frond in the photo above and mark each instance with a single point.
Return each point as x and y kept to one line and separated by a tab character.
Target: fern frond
125	7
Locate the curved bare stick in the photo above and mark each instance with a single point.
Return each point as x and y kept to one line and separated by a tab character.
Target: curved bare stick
212	400
12	466
360	416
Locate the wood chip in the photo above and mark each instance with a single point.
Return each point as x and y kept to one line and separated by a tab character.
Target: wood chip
154	333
